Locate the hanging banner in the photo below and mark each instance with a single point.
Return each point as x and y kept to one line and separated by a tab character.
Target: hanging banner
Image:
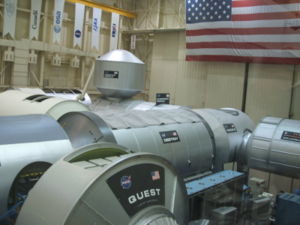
10	16
97	13
58	19
114	31
36	6
78	27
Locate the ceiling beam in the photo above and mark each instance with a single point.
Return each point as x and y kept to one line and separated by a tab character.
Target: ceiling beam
104	8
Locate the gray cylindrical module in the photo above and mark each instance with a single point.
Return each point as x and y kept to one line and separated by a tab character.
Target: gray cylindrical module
229	126
99	184
177	135
28	146
119	74
275	147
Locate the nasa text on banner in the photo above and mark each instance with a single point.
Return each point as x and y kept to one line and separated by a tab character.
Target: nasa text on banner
96	28
265	31
78	27
58	19
114	31
36	6
10	13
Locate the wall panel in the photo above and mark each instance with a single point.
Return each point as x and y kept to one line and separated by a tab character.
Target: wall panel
191	79
164	65
190	84
225	83
269	90
163	78
296	95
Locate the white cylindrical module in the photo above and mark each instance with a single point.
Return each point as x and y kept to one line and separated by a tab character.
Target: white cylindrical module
228	126
28	146
275	146
119	74
178	135
14	102
101	184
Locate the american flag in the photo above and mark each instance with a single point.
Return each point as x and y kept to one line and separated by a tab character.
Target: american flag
155	175
266	31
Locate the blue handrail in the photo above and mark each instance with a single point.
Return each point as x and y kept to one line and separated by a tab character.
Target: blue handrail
12	211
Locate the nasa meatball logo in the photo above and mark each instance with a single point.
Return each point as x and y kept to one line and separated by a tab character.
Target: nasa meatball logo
57	28
78	33
126	182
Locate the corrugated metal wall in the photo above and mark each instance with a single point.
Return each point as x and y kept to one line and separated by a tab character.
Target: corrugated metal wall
225	82
269	90
296	95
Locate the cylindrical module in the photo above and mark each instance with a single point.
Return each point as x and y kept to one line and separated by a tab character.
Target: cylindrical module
275	147
119	74
228	127
28	146
14	102
101	184
178	135
193	141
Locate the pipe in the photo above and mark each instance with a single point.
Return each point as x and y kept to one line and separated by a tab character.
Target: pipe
80	97
105	8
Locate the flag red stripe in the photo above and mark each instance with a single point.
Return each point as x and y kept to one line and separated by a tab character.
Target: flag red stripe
248	3
245	45
266	16
244	31
229	58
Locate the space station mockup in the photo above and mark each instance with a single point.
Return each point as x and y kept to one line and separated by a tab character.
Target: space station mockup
133	162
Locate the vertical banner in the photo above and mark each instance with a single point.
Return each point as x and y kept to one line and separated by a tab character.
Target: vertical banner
78	27
10	16
97	13
58	19
114	31
36	6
